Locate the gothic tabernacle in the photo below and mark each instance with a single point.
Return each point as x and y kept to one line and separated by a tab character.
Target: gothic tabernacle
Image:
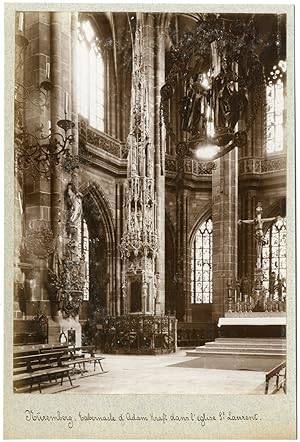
139	244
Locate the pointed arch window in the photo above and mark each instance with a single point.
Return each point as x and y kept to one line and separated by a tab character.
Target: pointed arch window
274	255
201	275
275	108
91	76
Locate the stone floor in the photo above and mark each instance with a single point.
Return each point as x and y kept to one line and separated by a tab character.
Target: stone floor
167	374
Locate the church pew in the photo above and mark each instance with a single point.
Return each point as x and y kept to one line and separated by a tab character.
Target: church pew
39	375
83	351
35	367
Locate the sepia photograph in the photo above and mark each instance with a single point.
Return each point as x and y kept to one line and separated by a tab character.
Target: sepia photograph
151	216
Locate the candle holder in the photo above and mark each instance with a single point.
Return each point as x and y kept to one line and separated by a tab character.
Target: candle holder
21	41
66	124
37	95
46	85
38	153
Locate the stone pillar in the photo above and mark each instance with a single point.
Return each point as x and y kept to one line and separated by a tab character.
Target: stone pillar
180	251
117	254
63	79
57	113
74	82
248	233
160	146
36	192
224	218
187	260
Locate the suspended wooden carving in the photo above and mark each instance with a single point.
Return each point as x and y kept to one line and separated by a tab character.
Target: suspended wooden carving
139	244
218	80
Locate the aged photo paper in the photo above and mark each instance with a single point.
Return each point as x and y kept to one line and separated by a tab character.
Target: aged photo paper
149	225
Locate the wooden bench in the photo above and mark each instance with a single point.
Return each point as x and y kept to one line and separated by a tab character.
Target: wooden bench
76	358
30	367
280	383
34	363
37	348
40	374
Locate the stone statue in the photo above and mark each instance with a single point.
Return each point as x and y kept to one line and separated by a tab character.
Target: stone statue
74	205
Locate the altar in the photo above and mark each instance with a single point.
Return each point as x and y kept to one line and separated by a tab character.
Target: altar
252	325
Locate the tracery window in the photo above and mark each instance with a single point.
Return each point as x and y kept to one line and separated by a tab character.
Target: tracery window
91	76
85	252
275	108
274	254
201	276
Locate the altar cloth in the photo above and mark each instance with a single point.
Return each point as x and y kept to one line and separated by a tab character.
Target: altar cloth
258	320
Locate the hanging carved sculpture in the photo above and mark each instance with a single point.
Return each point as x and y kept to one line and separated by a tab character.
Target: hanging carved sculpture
216	67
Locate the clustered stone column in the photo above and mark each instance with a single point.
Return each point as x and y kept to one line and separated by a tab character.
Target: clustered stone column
158	32
224	218
37	191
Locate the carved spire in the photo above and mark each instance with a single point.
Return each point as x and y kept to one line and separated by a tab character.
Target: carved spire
139	243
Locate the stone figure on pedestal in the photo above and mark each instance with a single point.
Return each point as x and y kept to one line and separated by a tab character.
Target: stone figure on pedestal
74	202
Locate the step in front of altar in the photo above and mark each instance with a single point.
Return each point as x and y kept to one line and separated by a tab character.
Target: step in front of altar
240	354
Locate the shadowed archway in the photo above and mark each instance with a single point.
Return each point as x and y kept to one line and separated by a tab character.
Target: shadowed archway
102	263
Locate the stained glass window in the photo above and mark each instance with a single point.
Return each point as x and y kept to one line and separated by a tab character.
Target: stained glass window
274	255
91	76
275	108
85	251
201	277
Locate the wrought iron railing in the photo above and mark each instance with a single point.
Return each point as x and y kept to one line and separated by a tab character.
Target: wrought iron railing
138	334
244	298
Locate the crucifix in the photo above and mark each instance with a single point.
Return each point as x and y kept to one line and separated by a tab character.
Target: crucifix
258	292
259	233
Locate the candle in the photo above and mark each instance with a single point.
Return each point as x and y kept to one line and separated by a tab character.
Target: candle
20	203
47	71
49	126
21	21
66	102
